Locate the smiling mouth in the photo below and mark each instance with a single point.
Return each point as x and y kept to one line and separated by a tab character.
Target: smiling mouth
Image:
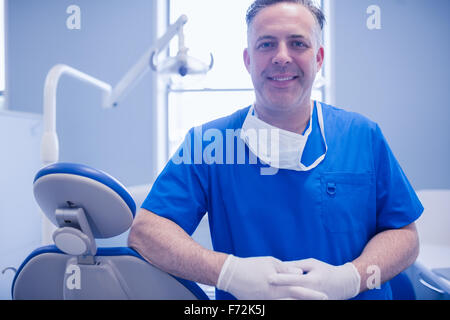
282	78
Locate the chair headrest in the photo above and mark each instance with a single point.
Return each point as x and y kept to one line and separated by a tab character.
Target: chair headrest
108	206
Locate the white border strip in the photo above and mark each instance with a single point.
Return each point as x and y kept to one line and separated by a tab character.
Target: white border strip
330	74
2	46
161	134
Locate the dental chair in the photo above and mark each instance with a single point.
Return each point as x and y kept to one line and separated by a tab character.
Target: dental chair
87	204
431	271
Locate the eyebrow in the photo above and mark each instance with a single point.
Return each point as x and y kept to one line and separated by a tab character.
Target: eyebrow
268	37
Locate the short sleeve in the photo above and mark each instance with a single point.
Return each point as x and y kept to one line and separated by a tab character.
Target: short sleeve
397	202
179	192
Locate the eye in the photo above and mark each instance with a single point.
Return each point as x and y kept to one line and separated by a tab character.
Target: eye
265	45
298	44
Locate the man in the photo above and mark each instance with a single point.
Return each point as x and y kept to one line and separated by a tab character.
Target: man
335	210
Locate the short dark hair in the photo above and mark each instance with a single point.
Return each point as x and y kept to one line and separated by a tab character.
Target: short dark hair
258	5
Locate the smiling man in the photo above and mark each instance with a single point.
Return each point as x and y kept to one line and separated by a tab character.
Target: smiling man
338	208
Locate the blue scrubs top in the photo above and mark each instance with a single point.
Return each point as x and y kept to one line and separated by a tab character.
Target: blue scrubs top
328	213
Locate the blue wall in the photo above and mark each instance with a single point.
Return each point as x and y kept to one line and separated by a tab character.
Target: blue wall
399	76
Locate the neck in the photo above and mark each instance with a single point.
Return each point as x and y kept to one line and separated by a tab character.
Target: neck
294	120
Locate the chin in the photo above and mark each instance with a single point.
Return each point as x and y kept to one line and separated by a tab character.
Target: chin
285	104
281	107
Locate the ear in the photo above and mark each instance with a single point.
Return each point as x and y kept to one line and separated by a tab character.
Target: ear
247	59
320	57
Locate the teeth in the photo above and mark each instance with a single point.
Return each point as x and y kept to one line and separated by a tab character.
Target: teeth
283	79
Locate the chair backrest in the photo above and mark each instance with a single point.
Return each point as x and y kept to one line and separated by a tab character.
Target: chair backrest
434	224
118	273
87	204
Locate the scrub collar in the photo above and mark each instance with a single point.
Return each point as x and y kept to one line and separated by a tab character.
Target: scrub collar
277	147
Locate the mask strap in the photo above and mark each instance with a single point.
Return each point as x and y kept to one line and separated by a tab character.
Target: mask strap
308	131
322	130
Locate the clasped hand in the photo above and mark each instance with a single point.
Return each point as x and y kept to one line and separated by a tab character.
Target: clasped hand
337	282
270	278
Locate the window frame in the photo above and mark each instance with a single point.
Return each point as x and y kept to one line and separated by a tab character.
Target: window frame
2	47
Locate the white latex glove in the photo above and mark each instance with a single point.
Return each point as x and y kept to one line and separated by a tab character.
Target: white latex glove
337	282
248	279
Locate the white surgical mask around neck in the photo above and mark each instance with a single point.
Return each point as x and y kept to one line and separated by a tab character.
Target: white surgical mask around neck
280	148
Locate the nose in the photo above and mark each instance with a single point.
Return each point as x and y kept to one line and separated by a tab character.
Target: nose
282	56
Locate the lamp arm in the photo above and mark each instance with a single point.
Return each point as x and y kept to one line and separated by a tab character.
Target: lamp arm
49	147
143	64
51	86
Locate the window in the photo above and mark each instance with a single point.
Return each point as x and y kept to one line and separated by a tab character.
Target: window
2	47
218	27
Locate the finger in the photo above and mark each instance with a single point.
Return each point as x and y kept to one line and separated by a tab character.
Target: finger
301	293
288	267
306	264
284	279
289	270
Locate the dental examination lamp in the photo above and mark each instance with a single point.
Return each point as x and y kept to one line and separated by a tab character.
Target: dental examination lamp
181	64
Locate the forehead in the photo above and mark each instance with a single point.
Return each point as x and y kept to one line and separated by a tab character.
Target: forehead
281	18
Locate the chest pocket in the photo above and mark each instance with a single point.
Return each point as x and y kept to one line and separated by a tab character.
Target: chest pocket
348	200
